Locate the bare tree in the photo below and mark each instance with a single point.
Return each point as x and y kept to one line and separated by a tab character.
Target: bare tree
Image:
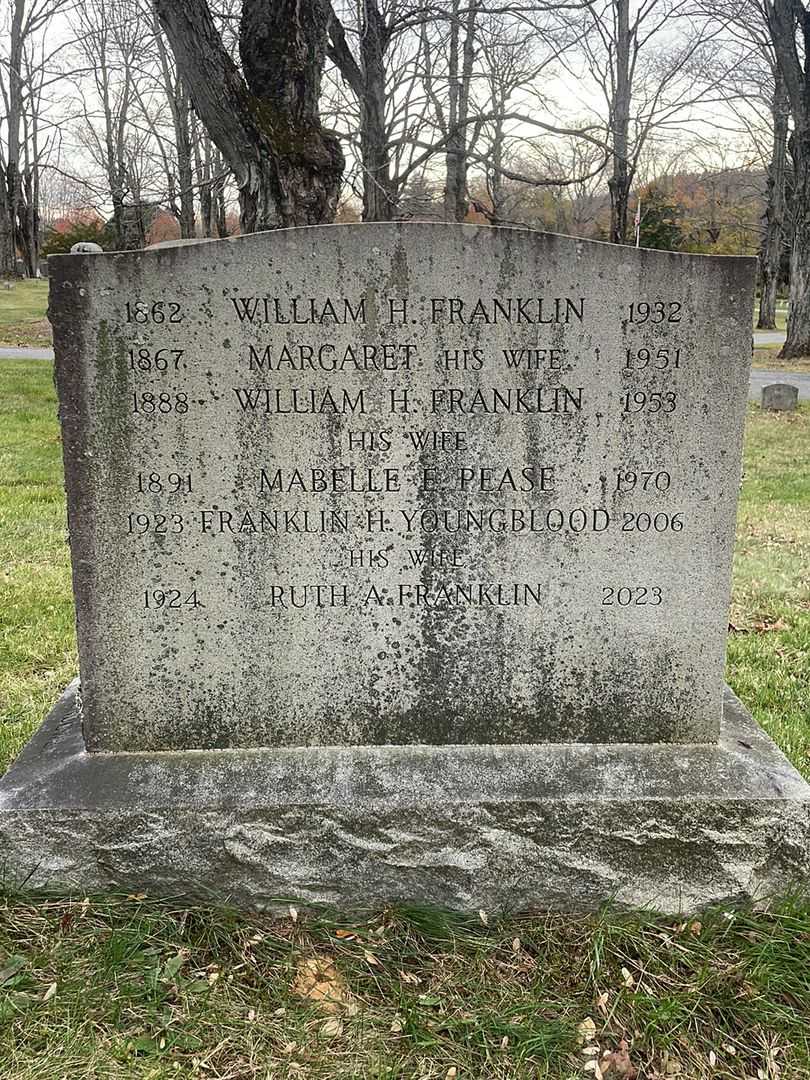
266	121
113	38
25	71
653	64
789	22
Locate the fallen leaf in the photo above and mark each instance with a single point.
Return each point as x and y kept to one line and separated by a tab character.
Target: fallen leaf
618	1064
318	980
251	1015
451	1073
695	928
482	915
50	992
601	1003
409	978
347	935
370	958
293	913
332	1027
396	1025
516	945
504	1042
593	1066
627	978
587	1030
712	1058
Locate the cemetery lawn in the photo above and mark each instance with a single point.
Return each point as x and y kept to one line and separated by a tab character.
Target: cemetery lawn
133	989
22	314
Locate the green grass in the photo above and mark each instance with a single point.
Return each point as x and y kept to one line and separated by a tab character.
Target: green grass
22	314
128	988
769	654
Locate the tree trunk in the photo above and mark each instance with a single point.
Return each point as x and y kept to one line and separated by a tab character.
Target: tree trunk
770	253
785	18
379	197
267	126
184	167
797	342
619	183
13	121
455	192
7	256
28	223
202	167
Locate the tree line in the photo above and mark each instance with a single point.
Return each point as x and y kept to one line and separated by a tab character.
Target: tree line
307	110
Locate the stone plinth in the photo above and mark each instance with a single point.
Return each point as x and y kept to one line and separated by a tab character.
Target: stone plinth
465	827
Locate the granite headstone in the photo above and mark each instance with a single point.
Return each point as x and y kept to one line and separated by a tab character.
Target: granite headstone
450	486
401	557
780	397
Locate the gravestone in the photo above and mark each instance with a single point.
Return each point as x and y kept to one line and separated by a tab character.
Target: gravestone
780	397
401	556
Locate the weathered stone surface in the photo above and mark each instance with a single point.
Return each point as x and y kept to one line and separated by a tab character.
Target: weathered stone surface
494	828
780	396
551	565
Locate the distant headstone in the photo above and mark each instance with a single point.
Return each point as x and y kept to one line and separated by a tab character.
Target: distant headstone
447	500
780	397
43	268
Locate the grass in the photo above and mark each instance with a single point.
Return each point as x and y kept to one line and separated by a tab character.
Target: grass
769	652
123	987
22	314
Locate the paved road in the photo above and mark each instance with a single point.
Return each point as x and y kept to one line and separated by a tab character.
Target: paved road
758	378
769	337
40	353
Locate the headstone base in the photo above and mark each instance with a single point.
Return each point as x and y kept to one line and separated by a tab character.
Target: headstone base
564	827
